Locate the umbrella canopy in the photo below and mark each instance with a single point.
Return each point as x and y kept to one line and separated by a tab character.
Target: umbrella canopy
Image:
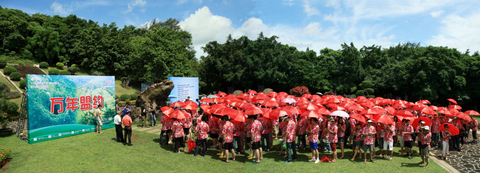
452	101
291	110
252	92
211	96
253	111
443	110
177	104
221	94
369	112
271	103
340	114
240	117
310	106
225	111
390	110
358	117
310	114
379	109
178	114
454	130
277	113
206	100
356	107
464	116
323	111
472	112
289	100
166	110
383	118
190	105
416	122
428	111
215	107
457	107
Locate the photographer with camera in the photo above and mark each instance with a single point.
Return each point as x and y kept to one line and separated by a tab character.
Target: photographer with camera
424	139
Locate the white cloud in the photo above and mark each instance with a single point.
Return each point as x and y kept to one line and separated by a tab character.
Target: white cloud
459	32
437	13
311	11
184	1
135	3
288	2
60	9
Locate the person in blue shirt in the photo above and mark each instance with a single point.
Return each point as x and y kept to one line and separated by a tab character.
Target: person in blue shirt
126	108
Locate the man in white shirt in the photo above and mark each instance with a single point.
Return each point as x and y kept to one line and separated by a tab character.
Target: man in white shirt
118	127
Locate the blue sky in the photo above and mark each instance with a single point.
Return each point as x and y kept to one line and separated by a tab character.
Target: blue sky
301	23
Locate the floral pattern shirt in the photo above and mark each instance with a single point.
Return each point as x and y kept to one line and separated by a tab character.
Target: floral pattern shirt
166	123
291	131
408	128
332	137
435	126
340	132
213	123
368	139
425	139
389	134
227	130
359	135
177	129
256	131
302	126
313	136
446	139
202	130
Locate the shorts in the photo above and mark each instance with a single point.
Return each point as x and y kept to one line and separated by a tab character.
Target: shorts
179	143
99	121
333	146
358	144
367	147
313	145
229	146
400	140
474	134
248	140
186	131
220	140
214	135
341	139
434	137
256	145
408	144
387	145
380	143
275	129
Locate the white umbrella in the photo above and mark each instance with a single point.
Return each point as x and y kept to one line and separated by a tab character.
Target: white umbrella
289	100
211	96
340	114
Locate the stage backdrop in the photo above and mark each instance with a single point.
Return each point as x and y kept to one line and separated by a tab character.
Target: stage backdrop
61	106
183	87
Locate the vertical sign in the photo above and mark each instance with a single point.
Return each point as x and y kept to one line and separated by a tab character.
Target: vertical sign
184	87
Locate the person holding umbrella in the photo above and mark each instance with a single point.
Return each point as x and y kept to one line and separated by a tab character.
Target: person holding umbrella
290	137
358	141
369	133
313	130
446	135
425	137
474	127
332	137
179	135
388	140
202	130
407	138
256	136
342	127
227	132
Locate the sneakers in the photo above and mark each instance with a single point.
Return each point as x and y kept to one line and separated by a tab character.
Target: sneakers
410	157
288	161
316	161
311	160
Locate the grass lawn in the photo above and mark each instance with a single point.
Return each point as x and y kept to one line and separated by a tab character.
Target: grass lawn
94	152
119	90
477	118
12	89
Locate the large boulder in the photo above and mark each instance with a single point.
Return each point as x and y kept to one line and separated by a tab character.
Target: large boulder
237	92
157	94
267	90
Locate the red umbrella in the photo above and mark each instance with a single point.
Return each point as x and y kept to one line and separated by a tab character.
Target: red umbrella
383	118
277	113
333	100
464	116
225	111
240	117
315	97
369	112
191	145
206	100
251	92
306	95
452	101
416	122
310	114
323	111
454	130
266	112
190	106
222	94
291	110
356	107
390	110
457	107
178	114
310	106
177	104
443	110
253	111
472	112
271	103
166	110
428	111
215	107
379	109
358	117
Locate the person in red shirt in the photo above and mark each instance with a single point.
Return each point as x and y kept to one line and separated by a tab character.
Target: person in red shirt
446	135
178	134
407	138
165	127
474	127
256	136
127	122
313	130
227	132
424	142
342	127
248	138
290	137
369	133
202	131
302	127
358	141
213	123
388	140
435	127
332	136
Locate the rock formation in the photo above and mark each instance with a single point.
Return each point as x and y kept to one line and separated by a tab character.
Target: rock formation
156	94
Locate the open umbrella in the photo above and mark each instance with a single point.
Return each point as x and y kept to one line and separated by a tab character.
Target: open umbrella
452	101
443	110
190	105
464	116
457	107
390	110
190	145
253	111
240	117
358	117
289	100
178	114
310	106
369	112
472	112
225	111
291	110
166	110
323	111
252	92
177	104
215	107
416	122
340	114
206	100
266	112
428	111
310	114
356	107
277	113
211	96
383	118
221	94
454	130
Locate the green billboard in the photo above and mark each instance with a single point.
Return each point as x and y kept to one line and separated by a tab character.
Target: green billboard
61	106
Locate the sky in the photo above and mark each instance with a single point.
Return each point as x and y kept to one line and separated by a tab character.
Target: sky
313	24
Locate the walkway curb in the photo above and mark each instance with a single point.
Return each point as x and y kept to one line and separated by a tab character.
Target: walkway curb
443	164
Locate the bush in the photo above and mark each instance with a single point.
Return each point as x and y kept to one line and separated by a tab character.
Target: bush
9	70
133	96
97	73
60	65
124	97
43	64
15	76
360	93
74	65
3	63
23	84
116	97
53	71
299	91
73	69
64	73
369	91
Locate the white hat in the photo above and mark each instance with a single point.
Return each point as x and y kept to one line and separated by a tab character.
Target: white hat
427	128
422	122
369	121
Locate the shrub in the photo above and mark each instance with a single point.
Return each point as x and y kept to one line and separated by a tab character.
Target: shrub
74	65
15	76
369	91
9	70
3	63
23	83
73	69
97	73
64	73
360	93
133	96
124	97
299	91
43	64
53	71
116	97
60	65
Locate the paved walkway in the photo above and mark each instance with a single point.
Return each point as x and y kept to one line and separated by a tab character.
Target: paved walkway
154	130
467	160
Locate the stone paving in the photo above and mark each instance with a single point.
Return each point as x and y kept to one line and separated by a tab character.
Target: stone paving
467	160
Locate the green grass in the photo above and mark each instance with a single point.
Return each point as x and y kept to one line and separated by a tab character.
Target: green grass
119	90
477	118
12	89
94	152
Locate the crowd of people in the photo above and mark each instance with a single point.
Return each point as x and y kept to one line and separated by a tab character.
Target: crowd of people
252	121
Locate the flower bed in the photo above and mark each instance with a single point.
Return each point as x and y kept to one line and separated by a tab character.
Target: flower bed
5	156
